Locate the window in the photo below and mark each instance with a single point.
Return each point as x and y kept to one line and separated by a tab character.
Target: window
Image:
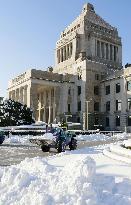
117	120
129	85
69	108
129	120
102	77
79	90
129	103
96	121
107	122
69	91
96	106
118	105
107	89
118	87
96	76
78	119
108	106
79	76
96	90
79	106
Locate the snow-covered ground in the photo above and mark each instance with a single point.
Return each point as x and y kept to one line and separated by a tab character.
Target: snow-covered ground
81	177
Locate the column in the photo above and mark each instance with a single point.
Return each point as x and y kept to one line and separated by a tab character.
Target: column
64	53
112	53
20	96
25	95
54	106
108	51
70	50
100	50
49	114
67	51
61	54
39	107
44	117
49	119
13	95
115	53
58	55
17	95
10	94
105	50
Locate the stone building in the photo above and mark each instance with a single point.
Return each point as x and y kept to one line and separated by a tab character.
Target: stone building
116	100
87	54
49	94
90	48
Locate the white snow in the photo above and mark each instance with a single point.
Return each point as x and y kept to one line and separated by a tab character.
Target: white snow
49	136
93	137
82	177
127	143
13	139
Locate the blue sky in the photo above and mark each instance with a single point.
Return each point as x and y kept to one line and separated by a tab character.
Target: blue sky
29	30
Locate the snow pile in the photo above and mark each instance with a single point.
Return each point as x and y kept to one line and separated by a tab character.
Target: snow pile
119	153
120	136
46	136
65	179
93	137
127	143
35	181
12	139
49	136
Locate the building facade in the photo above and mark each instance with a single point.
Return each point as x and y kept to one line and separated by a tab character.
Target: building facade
116	100
87	54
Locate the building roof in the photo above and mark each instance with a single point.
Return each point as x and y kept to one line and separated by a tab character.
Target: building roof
95	18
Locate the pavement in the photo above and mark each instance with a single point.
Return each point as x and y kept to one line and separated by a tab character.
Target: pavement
14	153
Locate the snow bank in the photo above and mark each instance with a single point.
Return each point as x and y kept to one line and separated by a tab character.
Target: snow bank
127	143
119	153
46	136
120	136
17	139
93	137
35	181
25	139
49	181
115	156
49	136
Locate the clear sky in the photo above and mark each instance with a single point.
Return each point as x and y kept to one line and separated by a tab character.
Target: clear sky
29	30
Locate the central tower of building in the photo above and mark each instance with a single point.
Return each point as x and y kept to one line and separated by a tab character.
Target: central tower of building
89	48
